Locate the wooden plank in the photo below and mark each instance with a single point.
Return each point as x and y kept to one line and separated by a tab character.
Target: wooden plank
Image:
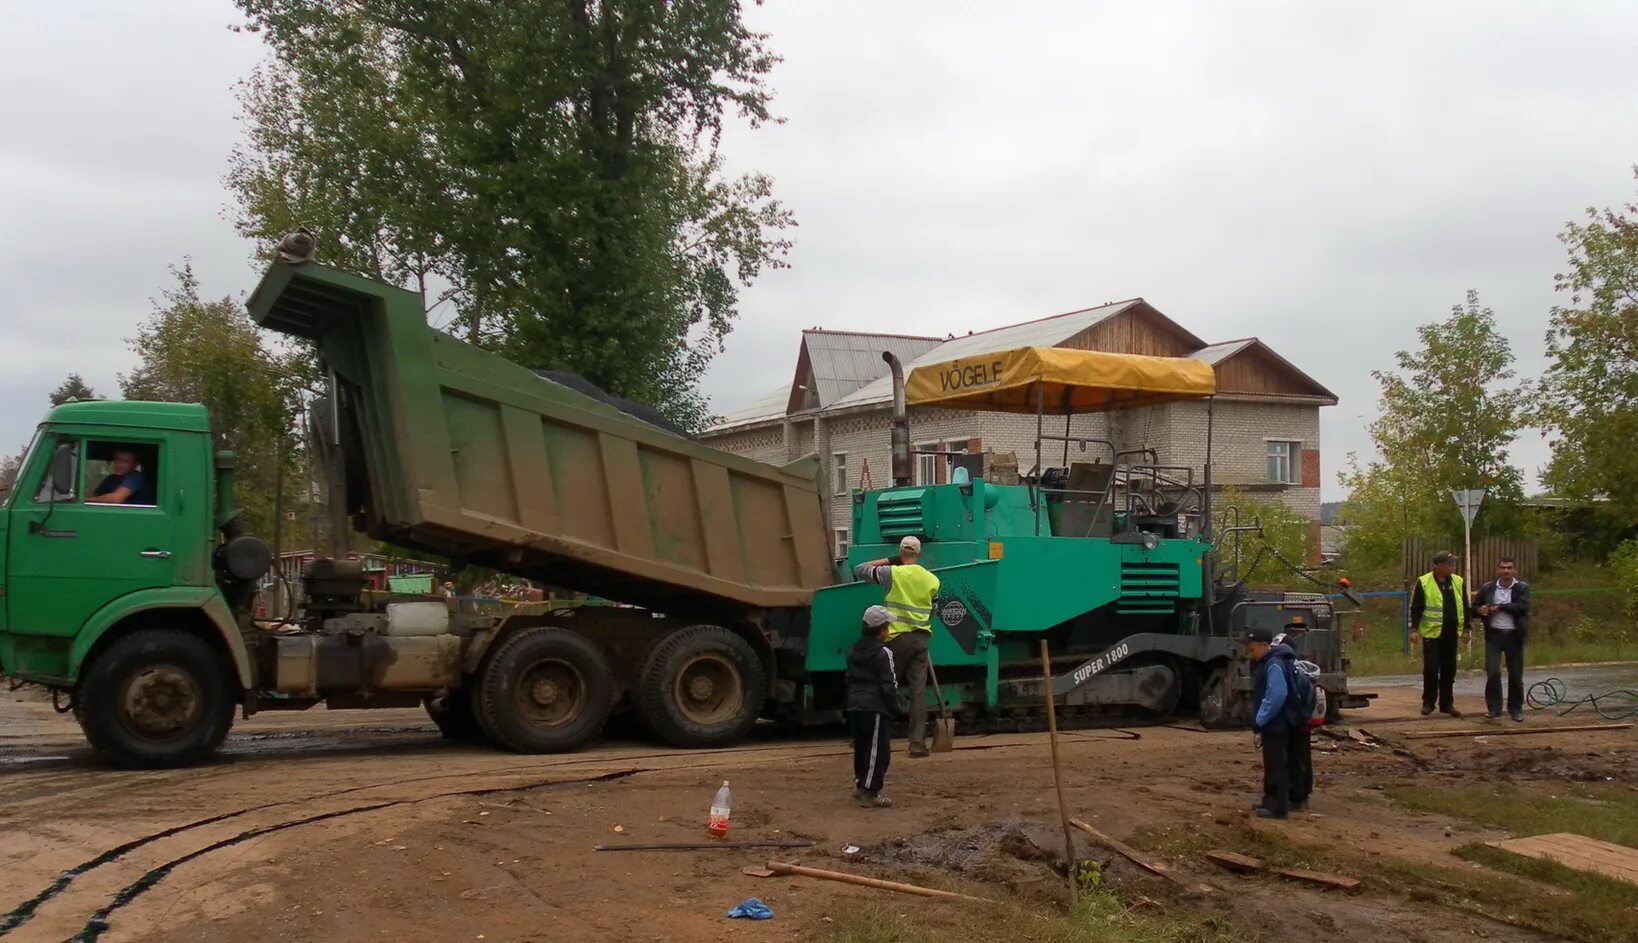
1579	853
1507	731
1235	861
1319	879
1136	857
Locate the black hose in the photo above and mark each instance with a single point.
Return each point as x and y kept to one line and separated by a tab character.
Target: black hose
1553	692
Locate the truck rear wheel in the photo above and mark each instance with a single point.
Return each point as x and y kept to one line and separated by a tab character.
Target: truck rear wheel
154	699
545	690
702	686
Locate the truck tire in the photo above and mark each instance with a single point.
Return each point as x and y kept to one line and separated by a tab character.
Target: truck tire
546	689
155	699
455	717
702	686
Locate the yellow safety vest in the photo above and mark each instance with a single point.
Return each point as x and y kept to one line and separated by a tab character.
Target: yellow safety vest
1433	612
910	600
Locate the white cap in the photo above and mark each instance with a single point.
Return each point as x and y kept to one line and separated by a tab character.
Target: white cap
910	544
877	616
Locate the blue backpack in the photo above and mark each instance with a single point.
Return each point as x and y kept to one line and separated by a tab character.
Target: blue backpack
1300	698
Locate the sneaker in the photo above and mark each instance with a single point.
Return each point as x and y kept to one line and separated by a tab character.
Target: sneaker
861	795
1518	716
1264	813
1426	710
918	750
874	802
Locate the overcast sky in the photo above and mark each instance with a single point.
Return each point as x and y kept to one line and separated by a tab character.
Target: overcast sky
1323	176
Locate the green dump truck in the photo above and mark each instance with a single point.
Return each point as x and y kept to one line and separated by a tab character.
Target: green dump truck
139	612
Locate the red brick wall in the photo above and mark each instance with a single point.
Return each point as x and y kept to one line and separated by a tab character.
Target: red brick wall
1313	529
1310	468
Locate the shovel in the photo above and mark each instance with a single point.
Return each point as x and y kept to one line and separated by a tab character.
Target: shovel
944	726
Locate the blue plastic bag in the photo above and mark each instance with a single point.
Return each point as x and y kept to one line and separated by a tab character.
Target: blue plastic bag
752	909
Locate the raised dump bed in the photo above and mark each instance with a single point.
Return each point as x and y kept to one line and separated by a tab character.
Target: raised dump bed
470	456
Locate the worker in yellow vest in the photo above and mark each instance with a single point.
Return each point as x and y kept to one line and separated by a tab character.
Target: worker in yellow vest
910	591
1438	613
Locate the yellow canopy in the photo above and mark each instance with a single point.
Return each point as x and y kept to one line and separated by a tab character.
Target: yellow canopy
1058	380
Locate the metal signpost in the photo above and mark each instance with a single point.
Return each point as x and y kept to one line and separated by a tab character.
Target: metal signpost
1469	502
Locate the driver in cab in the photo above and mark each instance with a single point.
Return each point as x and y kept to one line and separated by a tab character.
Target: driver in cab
125	485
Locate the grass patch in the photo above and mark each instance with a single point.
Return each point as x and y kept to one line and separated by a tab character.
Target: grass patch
1102	916
1597	810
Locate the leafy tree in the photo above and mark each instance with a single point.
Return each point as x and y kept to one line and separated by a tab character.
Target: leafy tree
1589	393
550	166
72	388
197	351
10	467
1265	558
1446	420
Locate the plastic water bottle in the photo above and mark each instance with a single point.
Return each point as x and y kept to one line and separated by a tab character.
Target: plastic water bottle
717	824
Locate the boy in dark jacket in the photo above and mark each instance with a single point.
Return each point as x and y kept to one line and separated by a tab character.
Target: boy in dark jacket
1274	721
871	693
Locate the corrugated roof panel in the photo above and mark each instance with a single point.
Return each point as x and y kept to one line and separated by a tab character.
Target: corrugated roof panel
844	361
1217	353
770	405
1047	332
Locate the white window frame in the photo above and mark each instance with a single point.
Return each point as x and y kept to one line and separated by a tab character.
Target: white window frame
929	463
838	472
840	543
1292	458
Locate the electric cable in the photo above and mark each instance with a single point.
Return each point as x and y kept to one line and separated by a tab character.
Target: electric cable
1554	693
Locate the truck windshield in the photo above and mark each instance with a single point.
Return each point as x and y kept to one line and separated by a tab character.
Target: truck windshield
11	468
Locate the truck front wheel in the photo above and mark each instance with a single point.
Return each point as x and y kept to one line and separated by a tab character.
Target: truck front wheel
702	686
545	690
154	699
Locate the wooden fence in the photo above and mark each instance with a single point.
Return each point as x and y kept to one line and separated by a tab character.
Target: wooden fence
1418	557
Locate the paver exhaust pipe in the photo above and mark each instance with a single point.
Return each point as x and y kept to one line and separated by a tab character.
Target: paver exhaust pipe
901	422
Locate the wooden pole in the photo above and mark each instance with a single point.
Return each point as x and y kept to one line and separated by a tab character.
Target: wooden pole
1507	731
1058	773
780	867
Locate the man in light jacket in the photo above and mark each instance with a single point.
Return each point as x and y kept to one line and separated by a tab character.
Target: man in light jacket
1504	605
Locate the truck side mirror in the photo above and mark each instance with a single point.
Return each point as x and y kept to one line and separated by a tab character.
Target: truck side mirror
60	473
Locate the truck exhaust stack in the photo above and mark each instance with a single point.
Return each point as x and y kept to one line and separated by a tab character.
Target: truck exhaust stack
901	422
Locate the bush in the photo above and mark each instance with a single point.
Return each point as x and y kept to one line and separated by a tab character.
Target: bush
1624	570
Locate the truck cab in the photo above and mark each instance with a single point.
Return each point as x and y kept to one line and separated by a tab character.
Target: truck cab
107	545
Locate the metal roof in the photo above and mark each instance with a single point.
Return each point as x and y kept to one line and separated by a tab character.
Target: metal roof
767	407
1217	353
844	361
1046	332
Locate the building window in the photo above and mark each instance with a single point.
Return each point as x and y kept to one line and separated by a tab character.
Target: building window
1282	462
838	473
841	538
926	465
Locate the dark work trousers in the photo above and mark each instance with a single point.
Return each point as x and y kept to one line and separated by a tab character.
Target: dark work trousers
872	745
1301	757
1439	670
910	658
1277	771
1497	644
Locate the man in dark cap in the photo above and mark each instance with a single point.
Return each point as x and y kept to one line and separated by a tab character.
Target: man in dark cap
1438	613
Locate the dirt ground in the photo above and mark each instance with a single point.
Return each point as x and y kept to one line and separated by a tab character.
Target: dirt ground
365	826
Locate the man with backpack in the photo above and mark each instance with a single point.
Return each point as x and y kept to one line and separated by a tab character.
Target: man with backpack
1284	697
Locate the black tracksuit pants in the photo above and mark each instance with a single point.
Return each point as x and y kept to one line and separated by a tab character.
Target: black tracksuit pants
872	746
1439	669
1277	771
1301	762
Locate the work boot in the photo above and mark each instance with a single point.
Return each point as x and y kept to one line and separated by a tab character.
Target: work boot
918	750
1265	813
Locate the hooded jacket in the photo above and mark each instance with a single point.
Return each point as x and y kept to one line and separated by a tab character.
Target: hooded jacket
872	683
1272	687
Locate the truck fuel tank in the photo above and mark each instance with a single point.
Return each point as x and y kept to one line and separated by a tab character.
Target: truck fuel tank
318	665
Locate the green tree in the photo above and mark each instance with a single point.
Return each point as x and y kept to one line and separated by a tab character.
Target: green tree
1446	420
72	388
197	351
1589	393
549	166
1265	558
10	467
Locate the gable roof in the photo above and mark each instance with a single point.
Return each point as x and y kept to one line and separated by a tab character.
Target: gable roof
842	361
768	407
1231	380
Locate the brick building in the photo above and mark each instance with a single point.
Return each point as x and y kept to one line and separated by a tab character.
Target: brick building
838	407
